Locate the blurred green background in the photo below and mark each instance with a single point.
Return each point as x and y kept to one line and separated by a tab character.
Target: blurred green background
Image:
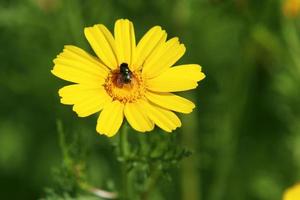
244	133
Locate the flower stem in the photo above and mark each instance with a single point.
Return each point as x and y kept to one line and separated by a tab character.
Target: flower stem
123	145
150	184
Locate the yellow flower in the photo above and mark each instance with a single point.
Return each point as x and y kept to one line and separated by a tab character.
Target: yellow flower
126	79
292	193
291	8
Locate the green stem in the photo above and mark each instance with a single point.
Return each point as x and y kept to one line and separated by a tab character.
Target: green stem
123	145
190	173
150	184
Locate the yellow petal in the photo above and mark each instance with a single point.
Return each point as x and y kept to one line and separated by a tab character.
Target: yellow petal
137	117
110	119
175	79
75	65
87	100
163	57
149	42
292	193
163	118
125	41
102	42
171	101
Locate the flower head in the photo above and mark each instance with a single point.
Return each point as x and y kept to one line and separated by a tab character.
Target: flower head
291	8
292	193
126	79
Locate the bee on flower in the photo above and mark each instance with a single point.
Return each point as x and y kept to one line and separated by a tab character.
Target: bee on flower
126	80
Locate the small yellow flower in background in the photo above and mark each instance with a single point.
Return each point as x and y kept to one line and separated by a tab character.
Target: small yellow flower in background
126	79
292	193
291	8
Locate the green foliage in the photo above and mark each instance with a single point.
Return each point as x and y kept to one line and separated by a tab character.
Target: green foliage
51	195
150	160
70	176
147	160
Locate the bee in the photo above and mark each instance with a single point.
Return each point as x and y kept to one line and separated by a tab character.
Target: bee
124	76
125	73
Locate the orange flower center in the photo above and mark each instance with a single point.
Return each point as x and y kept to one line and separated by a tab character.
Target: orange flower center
119	88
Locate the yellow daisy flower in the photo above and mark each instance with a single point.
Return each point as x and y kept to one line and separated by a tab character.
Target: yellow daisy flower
126	79
292	193
291	8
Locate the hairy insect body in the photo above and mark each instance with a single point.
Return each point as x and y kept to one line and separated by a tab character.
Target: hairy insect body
124	76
